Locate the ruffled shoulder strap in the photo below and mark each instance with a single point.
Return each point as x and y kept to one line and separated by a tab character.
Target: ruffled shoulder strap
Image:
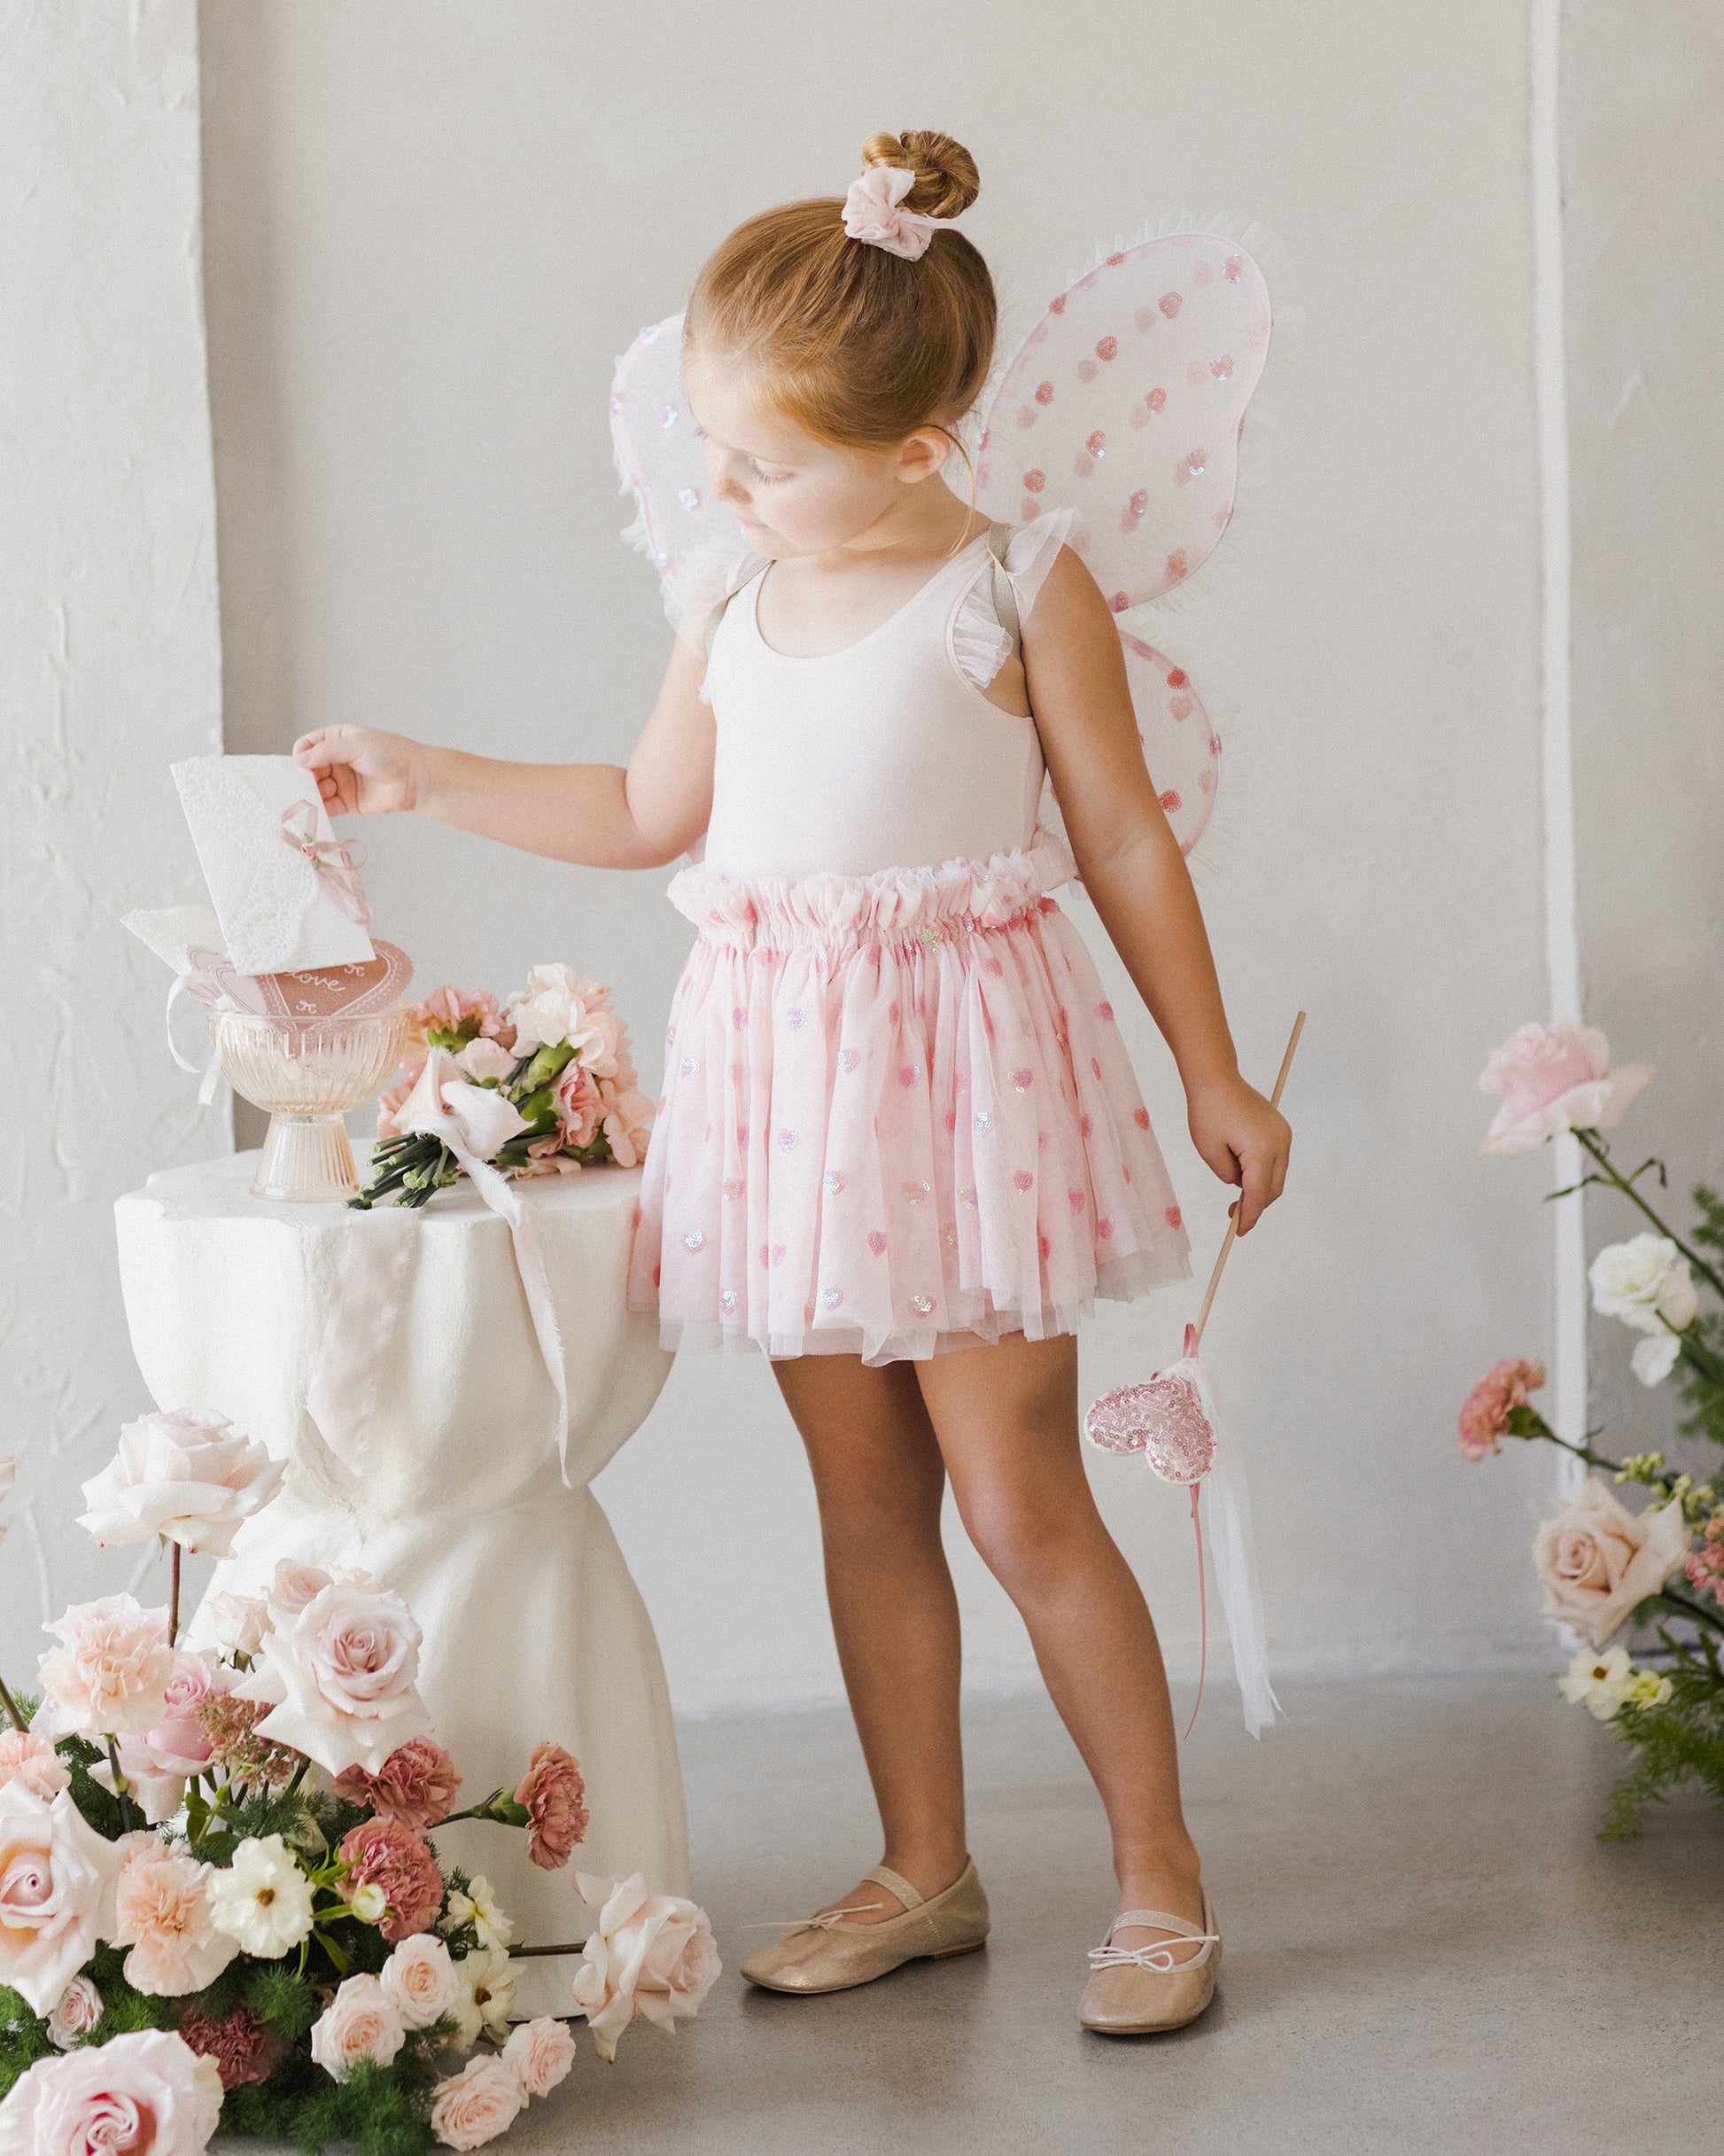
703	586
988	626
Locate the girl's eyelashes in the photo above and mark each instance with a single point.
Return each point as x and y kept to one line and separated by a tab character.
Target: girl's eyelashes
771	478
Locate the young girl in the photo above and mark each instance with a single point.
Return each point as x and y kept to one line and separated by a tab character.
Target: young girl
900	1148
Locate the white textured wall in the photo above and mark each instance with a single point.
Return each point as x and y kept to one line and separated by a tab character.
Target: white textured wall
431	228
1643	93
109	667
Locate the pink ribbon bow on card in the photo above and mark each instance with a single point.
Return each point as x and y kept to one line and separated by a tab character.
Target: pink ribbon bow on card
872	213
336	860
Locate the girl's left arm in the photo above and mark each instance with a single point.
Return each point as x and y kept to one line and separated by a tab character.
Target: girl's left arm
1136	876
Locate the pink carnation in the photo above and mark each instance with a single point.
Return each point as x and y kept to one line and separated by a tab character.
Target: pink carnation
1485	1417
555	1795
243	2049
579	1106
416	1784
469	1013
382	1853
1706	1568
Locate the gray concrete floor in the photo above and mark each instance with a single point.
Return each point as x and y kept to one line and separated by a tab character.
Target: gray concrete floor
1427	1950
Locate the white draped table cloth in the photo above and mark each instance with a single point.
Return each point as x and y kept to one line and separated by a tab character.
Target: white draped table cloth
533	1627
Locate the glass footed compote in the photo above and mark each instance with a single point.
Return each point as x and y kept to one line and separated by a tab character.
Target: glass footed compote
307	1073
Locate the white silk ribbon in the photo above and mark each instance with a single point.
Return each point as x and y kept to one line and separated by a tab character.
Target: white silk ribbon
473	1121
1226	1501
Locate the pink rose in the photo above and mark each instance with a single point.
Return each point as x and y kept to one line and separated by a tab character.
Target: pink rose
32	1760
109	1674
383	1854
340	1676
554	1795
186	1474
648	1954
1485	1416
1556	1077
417	1785
78	2012
539	2054
243	2051
148	2094
1597	1560
477	2104
360	2023
162	1913
421	1979
57	1878
576	1096
293	1586
627	1122
1706	1568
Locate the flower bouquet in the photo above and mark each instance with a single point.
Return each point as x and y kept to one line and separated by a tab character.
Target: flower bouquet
1603	1568
540	1085
221	1904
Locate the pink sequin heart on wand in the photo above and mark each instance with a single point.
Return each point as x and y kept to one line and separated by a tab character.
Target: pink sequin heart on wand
1170	1417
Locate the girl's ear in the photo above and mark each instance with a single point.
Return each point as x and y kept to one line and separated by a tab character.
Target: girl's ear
923	454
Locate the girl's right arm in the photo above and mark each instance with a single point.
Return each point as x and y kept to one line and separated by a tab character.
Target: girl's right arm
598	814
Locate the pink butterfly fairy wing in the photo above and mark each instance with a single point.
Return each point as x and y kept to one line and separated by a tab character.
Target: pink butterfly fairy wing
678	526
1125	402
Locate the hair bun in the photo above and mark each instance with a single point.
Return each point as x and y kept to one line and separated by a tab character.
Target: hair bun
947	181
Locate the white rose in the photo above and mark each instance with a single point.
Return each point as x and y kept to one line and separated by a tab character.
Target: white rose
1654	1359
556	1005
187	1475
341	1677
539	2054
236	1624
487	1992
262	1899
648	1954
1599	1683
423	1981
1645	1282
477	2104
484	1058
80	2009
293	1586
56	1877
360	2022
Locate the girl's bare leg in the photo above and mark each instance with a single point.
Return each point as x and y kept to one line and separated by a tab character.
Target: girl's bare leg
879	1480
1006	1416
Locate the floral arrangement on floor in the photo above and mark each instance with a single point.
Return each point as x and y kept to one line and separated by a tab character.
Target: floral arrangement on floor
1605	1567
540	1085
221	1906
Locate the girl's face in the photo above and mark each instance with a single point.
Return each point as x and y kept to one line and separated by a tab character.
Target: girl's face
792	493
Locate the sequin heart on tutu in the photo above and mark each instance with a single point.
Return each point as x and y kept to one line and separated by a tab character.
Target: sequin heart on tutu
1163	1417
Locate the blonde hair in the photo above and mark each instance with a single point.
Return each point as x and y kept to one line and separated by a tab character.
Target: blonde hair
856	346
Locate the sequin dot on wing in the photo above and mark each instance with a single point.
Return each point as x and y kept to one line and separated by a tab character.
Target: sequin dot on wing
1163	1419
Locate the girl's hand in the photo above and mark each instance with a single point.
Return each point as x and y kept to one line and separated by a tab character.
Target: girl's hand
360	772
1244	1141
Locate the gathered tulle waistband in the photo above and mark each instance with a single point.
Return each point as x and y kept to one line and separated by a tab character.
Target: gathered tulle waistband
892	905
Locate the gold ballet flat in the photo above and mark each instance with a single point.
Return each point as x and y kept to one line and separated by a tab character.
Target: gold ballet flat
826	1953
1134	1990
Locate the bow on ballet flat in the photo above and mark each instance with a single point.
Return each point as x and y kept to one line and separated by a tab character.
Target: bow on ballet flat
336	860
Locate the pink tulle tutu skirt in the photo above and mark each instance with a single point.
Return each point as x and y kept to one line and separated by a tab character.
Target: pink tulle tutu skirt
897	1117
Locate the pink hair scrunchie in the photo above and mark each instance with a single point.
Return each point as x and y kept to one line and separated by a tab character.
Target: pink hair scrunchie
872	213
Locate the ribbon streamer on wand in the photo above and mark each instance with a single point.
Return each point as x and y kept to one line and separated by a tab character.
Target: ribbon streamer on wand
1171	1420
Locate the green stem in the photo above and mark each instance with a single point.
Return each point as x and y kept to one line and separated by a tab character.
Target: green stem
1613	1175
14	1713
119	1789
174	1592
298	1776
1692	1606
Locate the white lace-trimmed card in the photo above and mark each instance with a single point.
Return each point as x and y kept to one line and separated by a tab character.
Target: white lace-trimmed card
286	892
